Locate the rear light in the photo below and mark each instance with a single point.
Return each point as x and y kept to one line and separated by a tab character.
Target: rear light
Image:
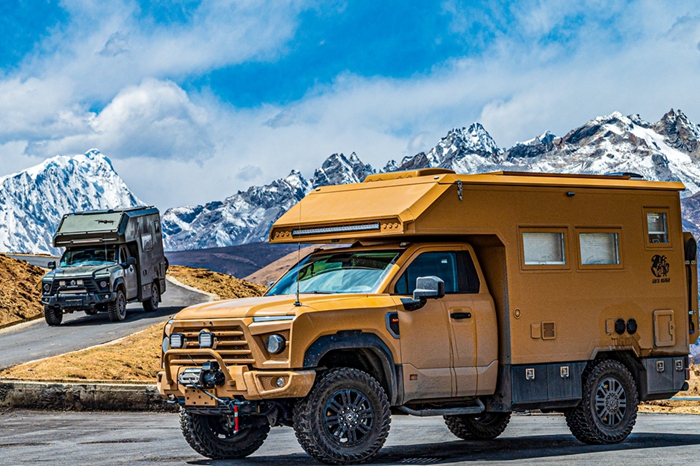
687	373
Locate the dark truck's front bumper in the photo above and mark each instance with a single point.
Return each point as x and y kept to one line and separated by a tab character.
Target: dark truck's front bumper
78	301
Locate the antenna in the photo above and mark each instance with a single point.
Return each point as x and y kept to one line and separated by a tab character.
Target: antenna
297	302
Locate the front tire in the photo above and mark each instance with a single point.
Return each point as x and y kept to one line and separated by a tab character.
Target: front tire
485	426
213	437
344	419
151	304
117	308
53	315
608	409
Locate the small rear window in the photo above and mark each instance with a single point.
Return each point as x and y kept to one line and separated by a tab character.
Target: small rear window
657	227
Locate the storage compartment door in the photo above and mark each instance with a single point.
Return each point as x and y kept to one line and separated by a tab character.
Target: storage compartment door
664	328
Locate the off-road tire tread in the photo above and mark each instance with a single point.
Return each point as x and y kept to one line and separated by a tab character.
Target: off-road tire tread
113	309
198	436
53	315
580	419
307	432
467	427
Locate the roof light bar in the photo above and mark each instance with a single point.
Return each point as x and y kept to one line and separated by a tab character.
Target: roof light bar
340	229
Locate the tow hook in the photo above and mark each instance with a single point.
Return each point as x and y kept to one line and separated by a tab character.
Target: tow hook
235	418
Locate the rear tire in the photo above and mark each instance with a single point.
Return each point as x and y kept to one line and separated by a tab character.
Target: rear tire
608	409
151	304
53	315
344	419
213	437
117	308
485	426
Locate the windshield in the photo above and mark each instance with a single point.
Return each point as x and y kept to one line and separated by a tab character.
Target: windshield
337	272
89	255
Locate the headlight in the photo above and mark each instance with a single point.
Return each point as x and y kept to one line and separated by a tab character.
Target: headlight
206	339
177	340
47	287
166	344
275	344
104	284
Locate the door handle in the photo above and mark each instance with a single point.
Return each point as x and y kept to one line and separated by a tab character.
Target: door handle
461	315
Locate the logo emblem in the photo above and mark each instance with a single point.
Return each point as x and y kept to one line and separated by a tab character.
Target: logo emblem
72	282
659	266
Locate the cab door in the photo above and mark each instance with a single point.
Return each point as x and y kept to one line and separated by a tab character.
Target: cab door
130	277
428	334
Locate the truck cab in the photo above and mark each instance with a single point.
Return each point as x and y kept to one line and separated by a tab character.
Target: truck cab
435	294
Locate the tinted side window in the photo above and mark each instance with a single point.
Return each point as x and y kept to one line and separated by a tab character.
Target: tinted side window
439	264
470	278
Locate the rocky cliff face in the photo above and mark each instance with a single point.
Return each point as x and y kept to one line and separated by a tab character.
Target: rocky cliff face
33	201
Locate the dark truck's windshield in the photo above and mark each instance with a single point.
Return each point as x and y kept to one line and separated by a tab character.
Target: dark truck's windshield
89	255
337	272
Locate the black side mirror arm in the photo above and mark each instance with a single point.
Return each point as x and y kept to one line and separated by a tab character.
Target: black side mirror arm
411	304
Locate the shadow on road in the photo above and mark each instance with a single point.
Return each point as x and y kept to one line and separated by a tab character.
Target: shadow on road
132	315
530	447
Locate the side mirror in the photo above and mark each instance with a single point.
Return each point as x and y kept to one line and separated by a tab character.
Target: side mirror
51	265
129	262
429	287
426	287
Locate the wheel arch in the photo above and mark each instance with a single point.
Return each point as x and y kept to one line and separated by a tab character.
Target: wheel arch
630	360
359	350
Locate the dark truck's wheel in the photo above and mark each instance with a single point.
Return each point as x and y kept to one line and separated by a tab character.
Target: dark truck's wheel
608	408
151	304
213	437
344	419
117	308
484	426
53	315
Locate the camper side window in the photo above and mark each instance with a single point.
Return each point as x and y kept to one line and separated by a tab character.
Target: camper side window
544	248
599	248
657	227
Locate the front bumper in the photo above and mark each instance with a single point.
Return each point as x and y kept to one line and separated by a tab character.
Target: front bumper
78	300
239	382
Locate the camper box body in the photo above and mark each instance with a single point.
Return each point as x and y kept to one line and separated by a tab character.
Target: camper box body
553	313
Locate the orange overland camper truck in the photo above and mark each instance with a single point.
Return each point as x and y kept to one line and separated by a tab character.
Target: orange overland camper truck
463	296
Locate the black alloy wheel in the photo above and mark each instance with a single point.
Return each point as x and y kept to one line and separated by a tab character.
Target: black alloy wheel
53	315
215	438
117	308
151	304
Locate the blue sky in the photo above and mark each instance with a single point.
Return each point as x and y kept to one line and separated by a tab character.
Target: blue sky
193	100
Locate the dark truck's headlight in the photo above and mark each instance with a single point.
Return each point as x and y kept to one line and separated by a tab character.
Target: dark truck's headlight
104	284
275	344
47	287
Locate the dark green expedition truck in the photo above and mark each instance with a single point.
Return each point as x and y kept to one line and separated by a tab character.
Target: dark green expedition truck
112	257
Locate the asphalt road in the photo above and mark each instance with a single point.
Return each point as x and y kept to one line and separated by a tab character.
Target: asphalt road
36	340
146	438
39	261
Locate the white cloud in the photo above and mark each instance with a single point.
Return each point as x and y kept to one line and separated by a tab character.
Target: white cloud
174	148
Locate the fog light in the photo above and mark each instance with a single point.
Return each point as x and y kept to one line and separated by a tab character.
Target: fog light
279	382
275	344
177	340
79	282
206	339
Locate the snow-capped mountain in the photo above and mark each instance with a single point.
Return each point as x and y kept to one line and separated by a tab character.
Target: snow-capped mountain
245	217
666	150
33	201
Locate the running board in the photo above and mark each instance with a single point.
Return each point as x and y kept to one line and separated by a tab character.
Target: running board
478	409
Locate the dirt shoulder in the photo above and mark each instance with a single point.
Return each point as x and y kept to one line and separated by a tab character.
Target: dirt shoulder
20	291
135	358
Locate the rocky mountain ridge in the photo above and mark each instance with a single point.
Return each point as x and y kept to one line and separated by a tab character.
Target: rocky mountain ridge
668	150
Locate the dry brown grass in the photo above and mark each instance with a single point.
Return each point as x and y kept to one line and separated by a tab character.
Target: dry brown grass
272	272
221	284
19	291
135	358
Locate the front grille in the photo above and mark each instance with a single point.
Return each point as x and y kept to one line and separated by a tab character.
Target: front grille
230	340
88	286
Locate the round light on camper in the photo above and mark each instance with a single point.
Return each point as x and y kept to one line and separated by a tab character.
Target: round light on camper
47	287
275	343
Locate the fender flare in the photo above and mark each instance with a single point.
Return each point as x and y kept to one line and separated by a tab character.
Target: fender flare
117	282
357	340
